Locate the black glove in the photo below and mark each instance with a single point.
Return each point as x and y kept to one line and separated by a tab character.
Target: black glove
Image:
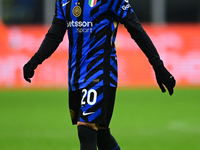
164	78
29	68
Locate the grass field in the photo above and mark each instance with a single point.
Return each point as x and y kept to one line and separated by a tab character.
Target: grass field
142	120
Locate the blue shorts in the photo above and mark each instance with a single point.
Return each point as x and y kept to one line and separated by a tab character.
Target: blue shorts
92	105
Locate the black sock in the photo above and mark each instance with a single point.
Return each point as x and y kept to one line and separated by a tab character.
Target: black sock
87	137
105	141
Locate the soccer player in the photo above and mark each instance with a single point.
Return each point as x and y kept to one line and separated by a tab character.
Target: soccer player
92	74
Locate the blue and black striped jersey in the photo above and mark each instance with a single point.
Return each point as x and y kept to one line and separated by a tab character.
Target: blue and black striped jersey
92	27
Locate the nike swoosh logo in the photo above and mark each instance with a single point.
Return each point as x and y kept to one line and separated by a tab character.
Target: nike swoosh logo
65	3
85	114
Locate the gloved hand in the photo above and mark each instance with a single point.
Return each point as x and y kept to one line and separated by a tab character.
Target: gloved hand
29	68
164	79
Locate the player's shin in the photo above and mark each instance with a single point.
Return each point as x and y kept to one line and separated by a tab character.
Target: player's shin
105	141
87	137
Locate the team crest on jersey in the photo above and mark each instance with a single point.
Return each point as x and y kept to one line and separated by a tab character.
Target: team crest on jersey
92	3
72	114
77	11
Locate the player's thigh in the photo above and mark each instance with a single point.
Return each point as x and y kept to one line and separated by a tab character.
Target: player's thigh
97	105
92	105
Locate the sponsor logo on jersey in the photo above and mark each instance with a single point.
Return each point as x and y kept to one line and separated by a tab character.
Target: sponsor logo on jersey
126	5
92	3
86	114
79	24
65	4
82	26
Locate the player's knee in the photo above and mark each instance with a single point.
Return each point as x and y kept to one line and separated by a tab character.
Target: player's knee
101	128
91	125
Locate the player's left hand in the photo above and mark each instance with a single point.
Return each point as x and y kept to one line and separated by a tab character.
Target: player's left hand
164	79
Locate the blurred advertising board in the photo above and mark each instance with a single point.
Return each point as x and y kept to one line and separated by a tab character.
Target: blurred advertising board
177	44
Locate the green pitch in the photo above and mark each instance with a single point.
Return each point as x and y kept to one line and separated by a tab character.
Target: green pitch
142	120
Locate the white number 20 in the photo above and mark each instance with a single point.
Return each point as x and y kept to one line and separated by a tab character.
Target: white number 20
88	93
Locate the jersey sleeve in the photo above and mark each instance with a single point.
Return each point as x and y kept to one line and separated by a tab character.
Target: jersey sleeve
58	10
122	9
143	40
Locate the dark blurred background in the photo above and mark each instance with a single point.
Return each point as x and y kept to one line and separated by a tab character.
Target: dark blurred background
158	11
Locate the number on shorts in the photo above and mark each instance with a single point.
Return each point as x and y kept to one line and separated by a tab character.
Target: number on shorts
88	93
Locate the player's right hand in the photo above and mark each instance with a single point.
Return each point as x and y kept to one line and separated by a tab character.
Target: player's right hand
29	67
